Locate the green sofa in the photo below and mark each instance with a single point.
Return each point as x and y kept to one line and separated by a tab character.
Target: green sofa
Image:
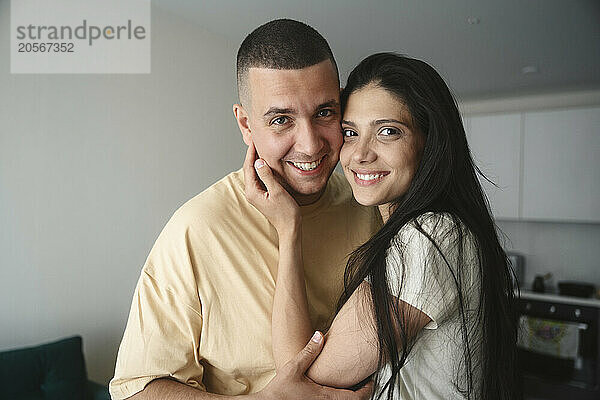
52	371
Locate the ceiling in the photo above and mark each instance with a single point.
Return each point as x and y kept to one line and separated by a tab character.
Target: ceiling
479	46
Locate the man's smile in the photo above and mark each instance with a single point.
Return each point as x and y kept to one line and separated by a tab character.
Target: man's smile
311	166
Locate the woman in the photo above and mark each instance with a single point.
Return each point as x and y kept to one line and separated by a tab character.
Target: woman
428	304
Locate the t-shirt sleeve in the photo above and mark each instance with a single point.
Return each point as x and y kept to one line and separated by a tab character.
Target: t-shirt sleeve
427	275
162	335
160	340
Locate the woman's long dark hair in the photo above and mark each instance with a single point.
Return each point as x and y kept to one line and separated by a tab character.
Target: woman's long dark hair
445	183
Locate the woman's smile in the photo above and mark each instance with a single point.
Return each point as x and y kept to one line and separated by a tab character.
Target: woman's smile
367	178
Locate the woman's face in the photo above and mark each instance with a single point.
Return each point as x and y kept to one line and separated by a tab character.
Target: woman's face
382	148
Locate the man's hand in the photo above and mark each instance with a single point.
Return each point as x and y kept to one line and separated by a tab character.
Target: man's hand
291	383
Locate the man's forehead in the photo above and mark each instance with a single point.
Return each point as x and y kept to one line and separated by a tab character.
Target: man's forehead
308	87
323	72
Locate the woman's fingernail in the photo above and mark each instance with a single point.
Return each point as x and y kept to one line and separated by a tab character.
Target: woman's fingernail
317	337
259	163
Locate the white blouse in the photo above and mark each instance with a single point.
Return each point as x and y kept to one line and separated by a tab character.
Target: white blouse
436	366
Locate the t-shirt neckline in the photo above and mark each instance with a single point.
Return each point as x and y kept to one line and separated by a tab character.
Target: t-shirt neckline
321	203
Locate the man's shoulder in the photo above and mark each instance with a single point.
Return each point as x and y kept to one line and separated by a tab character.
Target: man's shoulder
220	203
192	225
223	197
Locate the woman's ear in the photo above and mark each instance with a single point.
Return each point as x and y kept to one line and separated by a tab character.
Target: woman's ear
241	116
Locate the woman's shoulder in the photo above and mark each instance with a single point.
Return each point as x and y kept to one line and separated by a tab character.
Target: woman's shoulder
433	224
437	232
434	220
432	250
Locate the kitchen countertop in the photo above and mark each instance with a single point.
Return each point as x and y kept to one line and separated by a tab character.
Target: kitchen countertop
591	302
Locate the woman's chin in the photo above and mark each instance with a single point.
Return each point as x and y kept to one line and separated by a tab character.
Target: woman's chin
367	202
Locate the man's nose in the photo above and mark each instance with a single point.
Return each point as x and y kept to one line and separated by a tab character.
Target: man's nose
309	140
363	153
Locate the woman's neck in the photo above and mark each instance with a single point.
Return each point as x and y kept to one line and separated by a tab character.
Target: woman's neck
385	210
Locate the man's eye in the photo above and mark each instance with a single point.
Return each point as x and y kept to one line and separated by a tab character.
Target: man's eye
348	133
389	131
325	113
279	121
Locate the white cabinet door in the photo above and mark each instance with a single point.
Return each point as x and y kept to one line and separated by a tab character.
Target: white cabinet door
561	165
495	142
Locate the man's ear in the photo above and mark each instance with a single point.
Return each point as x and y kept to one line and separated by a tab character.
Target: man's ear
241	116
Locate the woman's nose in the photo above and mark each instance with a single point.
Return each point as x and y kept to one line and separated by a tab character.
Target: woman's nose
363	153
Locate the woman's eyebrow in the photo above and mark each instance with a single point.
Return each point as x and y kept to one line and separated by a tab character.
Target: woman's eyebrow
377	122
388	121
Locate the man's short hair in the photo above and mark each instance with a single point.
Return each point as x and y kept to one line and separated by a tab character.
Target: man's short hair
280	44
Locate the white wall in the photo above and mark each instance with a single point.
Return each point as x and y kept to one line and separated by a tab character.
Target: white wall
91	168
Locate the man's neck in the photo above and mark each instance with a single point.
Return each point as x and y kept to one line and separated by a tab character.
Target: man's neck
308	199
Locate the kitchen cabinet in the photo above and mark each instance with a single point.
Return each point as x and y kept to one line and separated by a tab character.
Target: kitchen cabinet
561	165
546	163
495	142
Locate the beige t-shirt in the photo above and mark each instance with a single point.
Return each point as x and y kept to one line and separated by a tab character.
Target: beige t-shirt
201	311
435	369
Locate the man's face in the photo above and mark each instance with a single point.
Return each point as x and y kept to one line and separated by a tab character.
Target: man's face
294	122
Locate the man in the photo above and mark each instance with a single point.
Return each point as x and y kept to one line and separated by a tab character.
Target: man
200	322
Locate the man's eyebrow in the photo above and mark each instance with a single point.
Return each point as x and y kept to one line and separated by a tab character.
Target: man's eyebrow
352	124
331	103
276	110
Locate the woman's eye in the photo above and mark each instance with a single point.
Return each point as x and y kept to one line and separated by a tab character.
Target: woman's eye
279	121
389	131
348	133
324	113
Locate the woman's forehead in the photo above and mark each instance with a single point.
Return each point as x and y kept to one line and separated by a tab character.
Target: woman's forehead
373	103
